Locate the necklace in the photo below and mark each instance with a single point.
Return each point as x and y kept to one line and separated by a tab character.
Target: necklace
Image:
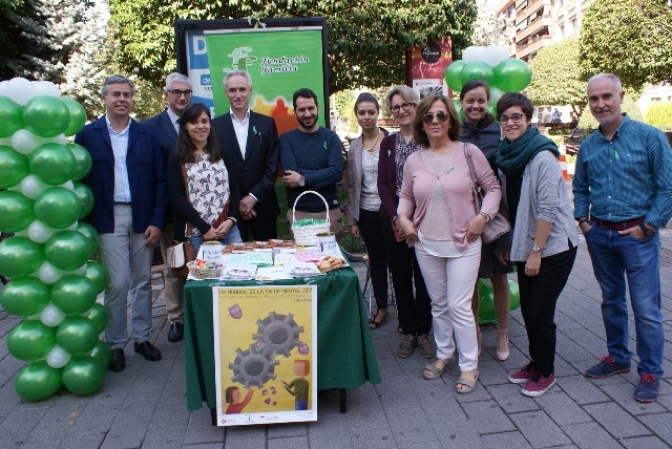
374	143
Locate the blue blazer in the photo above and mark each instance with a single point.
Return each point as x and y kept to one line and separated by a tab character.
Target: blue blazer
165	133
146	175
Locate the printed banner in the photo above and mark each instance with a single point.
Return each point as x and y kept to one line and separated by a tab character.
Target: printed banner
265	354
428	65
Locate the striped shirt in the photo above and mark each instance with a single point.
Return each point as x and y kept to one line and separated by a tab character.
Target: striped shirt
627	177
119	141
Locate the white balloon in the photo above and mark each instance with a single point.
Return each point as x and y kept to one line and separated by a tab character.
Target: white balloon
58	357
81	270
491	55
45	88
19	90
495	95
72	227
60	139
48	274
68	185
503	52
3	87
52	316
31	186
472	54
38	232
25	142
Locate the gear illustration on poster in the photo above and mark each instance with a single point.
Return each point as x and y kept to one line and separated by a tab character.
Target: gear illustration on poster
253	367
278	334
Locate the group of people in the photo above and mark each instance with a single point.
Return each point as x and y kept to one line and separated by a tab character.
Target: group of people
181	175
411	200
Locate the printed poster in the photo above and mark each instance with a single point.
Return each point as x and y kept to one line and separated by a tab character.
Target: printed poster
265	354
428	65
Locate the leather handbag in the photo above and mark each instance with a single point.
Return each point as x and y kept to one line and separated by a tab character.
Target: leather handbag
497	226
178	255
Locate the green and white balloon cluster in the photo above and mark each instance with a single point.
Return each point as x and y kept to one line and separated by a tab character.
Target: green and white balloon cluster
492	66
53	284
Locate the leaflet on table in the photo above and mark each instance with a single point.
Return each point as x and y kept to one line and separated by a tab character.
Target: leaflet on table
238	271
283	258
258	258
307	256
272	273
302	269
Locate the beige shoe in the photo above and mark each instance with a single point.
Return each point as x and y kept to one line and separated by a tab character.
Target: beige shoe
502	345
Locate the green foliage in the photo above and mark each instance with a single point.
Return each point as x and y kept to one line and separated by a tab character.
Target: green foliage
344	102
660	115
367	39
632	39
588	122
556	78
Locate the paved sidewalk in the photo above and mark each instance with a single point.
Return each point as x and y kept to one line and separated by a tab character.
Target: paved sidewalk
145	405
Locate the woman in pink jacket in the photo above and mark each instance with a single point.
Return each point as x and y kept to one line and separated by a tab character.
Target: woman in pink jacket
436	210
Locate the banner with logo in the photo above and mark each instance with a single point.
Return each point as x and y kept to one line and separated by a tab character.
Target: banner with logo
427	66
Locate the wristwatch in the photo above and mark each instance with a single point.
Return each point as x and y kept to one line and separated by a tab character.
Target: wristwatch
536	248
302	182
647	232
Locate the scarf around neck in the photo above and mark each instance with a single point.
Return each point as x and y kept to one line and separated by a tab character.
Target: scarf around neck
514	156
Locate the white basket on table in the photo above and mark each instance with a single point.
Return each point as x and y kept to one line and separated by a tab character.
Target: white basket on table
307	235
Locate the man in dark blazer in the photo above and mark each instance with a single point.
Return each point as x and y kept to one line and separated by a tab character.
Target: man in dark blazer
166	127
250	143
128	181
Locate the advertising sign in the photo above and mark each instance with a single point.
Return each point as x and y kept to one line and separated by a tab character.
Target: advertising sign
427	66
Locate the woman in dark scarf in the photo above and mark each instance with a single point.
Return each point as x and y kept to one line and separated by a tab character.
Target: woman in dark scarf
544	234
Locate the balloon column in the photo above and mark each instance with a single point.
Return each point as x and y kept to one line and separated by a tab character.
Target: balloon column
54	285
492	66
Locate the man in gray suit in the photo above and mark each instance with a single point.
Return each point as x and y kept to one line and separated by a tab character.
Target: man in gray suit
165	127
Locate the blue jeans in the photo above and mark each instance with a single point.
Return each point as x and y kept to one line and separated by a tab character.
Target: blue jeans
614	257
232	237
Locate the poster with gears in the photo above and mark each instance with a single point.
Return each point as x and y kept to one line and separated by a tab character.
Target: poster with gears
265	354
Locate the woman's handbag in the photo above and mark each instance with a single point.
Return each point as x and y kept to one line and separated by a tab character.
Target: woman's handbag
178	255
497	226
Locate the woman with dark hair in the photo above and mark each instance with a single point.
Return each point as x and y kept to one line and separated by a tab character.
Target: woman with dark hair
437	212
232	397
413	304
544	234
364	215
211	205
479	129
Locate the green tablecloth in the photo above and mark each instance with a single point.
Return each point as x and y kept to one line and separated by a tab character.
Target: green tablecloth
346	358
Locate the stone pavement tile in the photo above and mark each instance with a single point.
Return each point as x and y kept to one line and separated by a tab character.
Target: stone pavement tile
171	414
116	386
410	426
376	438
288	443
590	435
362	400
62	418
41	438
539	429
492	373
647	442
510	399
154	376
76	440
175	388
497	420
436	444
16	428
9	400
204	446
383	350
561	408
214	434
616	421
287	430
591	343
622	395
9	367
390	371
458	434
164	438
97	418
568	350
659	423
506	440
7	324
127	431
396	395
327	433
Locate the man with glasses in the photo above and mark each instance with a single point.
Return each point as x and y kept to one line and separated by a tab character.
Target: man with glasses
250	142
622	195
128	181
166	128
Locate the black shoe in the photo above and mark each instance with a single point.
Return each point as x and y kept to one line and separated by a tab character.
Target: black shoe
148	351
176	332
117	361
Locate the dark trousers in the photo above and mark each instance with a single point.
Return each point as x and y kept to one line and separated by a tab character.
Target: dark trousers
415	310
260	229
370	227
538	297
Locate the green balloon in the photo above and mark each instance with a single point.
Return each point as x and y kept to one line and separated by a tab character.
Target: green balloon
514	295
492	110
98	314
73	294
452	75
11	116
16	211
13	166
57	207
486	308
91	234
67	250
512	75
25	296
82	160
77	116
46	116
85	196
20	256
30	340
96	272
37	381
101	353
477	71
83	375
52	163
77	335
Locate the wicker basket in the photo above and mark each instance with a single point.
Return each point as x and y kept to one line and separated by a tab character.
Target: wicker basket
307	235
203	273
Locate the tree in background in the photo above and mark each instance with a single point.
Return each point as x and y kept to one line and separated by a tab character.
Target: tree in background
660	115
632	39
367	39
490	29
556	77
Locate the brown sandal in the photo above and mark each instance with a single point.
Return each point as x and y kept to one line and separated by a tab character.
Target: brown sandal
374	324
